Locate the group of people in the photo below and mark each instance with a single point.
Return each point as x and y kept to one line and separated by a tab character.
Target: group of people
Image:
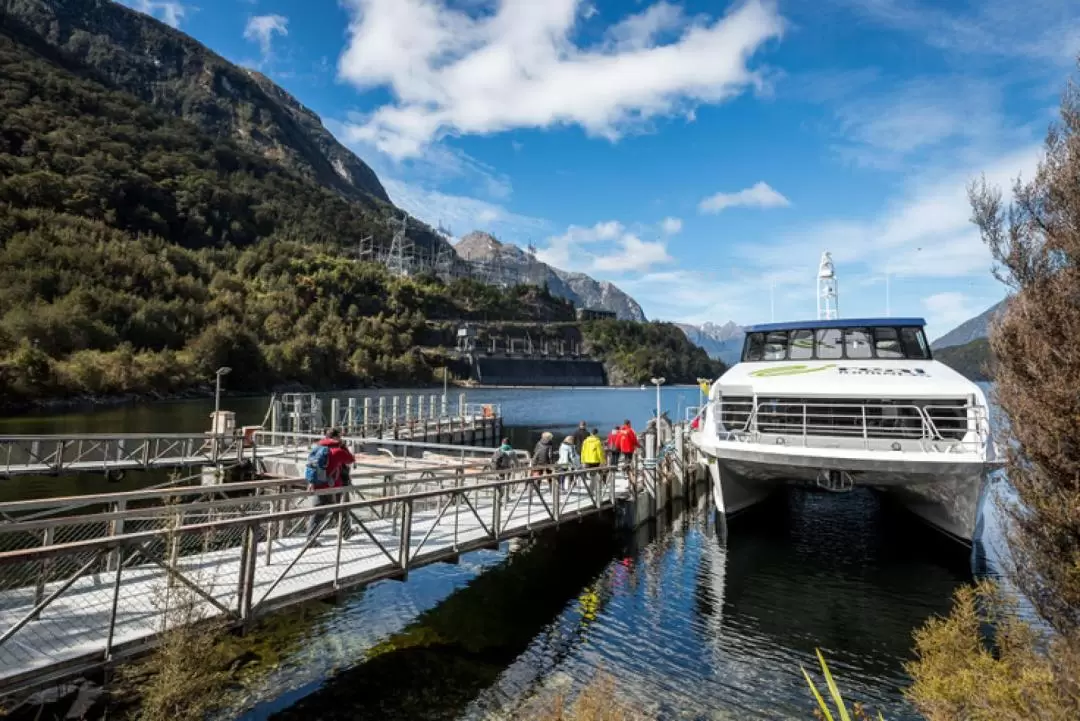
585	449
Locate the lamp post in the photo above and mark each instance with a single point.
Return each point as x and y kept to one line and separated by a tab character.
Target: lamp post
658	382
223	371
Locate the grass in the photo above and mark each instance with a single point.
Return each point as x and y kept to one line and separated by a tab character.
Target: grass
855	713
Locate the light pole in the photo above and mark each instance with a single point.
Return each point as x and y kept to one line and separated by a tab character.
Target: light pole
658	382
223	371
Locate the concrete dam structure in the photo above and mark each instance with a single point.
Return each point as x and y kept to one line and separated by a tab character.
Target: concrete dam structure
491	371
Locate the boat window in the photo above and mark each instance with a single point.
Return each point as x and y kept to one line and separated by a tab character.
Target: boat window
802	345
887	343
829	343
755	347
776	345
914	343
857	344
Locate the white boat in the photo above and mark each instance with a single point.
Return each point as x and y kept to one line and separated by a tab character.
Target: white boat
845	403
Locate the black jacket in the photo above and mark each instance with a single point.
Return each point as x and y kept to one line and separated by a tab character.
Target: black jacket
544	454
579	437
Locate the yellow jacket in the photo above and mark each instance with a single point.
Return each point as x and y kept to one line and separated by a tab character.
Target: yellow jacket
592	450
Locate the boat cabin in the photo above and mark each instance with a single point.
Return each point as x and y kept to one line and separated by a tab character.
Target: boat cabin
838	339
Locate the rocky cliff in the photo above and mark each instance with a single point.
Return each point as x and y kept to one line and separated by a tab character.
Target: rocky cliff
583	290
133	52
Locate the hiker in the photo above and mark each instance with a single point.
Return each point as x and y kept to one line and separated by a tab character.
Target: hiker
323	472
613	447
503	459
543	455
569	460
592	451
580	435
340	475
628	442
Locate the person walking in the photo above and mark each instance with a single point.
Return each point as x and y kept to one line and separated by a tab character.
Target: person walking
569	460
628	443
337	468
592	451
503	458
613	447
580	435
543	456
319	480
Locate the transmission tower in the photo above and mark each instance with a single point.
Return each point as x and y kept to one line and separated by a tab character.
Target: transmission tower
828	307
399	259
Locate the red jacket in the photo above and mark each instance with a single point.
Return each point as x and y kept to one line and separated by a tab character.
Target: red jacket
628	442
613	440
339	456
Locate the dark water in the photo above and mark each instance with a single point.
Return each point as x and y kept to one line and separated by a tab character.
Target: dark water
694	619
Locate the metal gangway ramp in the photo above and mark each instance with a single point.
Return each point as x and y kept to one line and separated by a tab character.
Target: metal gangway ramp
85	581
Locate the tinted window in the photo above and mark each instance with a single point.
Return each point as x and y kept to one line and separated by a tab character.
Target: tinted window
887	343
802	345
829	343
914	343
857	344
776	346
755	347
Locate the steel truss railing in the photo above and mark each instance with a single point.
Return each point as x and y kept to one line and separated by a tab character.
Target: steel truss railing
69	601
29	454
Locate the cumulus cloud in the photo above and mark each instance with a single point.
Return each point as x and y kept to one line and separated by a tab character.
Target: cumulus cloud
262	28
518	66
760	195
168	11
607	247
671	226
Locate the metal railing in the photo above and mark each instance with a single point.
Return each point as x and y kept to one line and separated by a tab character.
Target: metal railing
39	454
903	425
82	589
295	446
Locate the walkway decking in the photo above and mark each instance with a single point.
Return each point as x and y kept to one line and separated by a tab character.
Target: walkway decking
91	608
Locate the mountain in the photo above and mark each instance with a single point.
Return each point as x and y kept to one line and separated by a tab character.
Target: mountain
719	341
972	359
969	330
127	50
581	289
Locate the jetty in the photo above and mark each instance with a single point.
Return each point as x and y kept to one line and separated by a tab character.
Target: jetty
88	581
293	418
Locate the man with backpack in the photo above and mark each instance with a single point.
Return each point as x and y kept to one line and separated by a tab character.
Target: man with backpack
323	471
503	458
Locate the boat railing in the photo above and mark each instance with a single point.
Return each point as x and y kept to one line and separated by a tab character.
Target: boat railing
949	428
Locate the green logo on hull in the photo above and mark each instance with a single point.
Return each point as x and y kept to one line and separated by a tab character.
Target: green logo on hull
795	370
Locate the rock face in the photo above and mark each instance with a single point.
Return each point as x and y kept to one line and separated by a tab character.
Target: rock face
583	290
719	341
970	330
133	52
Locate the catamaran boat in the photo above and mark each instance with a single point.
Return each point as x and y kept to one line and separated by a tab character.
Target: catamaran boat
839	403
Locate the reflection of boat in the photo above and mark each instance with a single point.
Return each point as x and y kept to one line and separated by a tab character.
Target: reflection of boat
844	403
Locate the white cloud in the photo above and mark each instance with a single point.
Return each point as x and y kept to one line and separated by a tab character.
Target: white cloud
949	309
671	226
607	247
262	28
760	195
462	214
168	11
518	67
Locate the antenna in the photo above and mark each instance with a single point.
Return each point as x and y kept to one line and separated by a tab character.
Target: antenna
828	301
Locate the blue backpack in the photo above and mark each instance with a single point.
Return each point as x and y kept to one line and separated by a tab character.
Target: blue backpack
315	472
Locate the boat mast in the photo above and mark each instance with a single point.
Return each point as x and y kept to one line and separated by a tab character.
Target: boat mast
828	304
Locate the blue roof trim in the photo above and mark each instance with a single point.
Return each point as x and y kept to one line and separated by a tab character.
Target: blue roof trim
837	323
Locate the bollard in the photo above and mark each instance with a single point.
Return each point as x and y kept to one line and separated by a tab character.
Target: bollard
350	417
444	404
367	416
335	412
408	408
432	406
394	406
461	404
420	408
382	413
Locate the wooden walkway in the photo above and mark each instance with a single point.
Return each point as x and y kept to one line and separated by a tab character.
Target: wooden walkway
69	606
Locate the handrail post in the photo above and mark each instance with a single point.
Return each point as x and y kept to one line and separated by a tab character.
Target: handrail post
246	585
405	539
44	568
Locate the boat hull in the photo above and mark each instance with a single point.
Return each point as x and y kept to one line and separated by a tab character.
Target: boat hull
945	495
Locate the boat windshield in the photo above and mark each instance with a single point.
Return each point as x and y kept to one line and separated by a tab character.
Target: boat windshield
870	343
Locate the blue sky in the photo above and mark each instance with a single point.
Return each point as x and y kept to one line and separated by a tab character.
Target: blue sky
699	154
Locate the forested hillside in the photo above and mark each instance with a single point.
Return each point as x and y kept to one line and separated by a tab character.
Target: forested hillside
974	359
635	352
138	255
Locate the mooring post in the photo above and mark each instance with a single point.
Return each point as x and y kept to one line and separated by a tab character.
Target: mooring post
408	409
445	401
367	416
382	414
394	410
420	409
461	404
275	418
335	412
350	415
